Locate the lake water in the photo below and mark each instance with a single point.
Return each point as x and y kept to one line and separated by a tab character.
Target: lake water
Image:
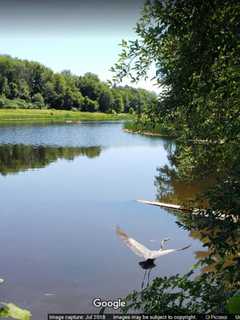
63	190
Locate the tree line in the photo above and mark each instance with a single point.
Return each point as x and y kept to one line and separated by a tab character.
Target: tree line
32	84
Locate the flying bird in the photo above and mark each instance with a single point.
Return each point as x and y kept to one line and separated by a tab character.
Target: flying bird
141	251
149	255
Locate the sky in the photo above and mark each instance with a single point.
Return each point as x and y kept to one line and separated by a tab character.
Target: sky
76	35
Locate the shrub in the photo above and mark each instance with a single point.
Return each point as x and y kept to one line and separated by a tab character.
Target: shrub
38	100
2	102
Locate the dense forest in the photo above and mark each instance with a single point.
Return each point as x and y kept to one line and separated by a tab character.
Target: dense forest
32	85
195	47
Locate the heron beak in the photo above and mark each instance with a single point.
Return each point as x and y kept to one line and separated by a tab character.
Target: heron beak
167	239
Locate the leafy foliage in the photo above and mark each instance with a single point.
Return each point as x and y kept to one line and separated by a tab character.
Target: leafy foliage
233	304
178	294
194	47
10	310
36	86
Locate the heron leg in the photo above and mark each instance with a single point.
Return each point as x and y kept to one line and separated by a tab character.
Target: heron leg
162	242
143	279
148	277
102	310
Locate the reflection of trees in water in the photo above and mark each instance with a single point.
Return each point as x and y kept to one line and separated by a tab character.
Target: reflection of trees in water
19	157
201	173
171	185
170	189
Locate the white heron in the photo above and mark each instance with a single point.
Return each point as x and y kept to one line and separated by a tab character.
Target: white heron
142	251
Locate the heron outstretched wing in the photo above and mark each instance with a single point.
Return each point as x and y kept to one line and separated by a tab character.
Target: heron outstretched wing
159	253
139	249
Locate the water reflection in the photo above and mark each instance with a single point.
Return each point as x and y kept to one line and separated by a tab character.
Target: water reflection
176	184
19	157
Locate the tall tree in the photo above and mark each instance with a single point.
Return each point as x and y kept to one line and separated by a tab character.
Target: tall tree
195	47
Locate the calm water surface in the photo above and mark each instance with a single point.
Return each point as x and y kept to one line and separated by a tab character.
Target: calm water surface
63	189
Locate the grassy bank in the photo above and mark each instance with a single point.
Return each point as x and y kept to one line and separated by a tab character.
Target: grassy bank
31	115
147	128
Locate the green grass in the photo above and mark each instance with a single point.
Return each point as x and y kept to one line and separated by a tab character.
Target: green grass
31	115
147	129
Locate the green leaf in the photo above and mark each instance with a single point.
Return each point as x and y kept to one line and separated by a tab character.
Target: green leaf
233	305
14	312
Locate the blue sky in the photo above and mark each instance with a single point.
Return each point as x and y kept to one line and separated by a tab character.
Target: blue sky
69	35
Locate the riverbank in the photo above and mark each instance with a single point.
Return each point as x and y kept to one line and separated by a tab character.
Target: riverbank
146	133
147	129
32	115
